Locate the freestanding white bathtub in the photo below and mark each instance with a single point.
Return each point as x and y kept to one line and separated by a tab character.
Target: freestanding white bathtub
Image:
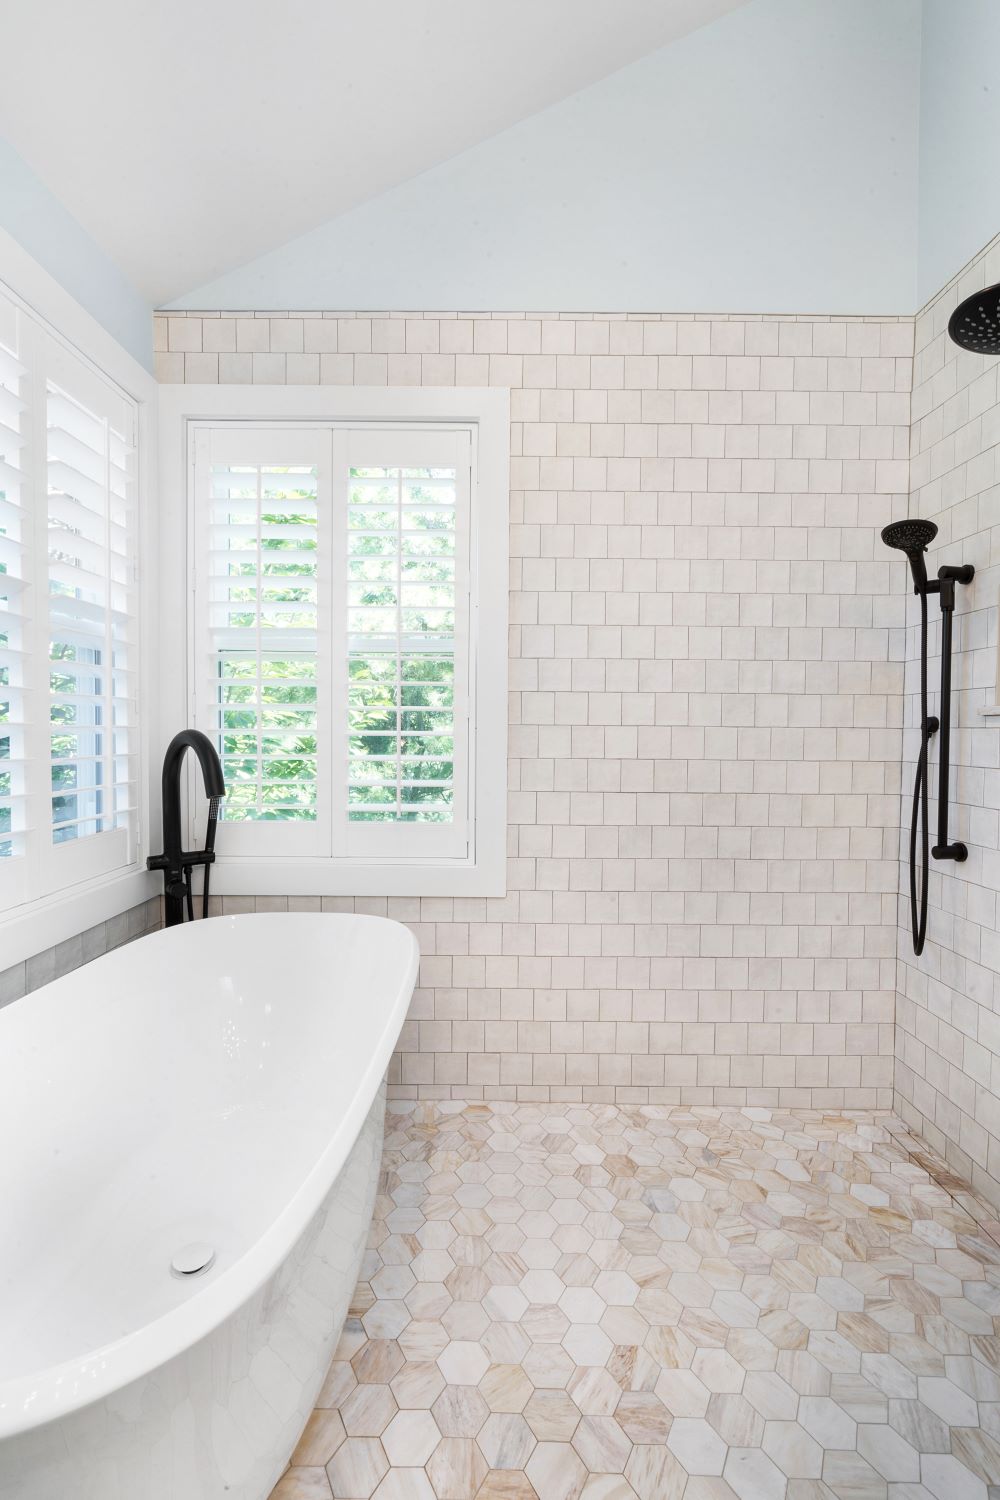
218	1084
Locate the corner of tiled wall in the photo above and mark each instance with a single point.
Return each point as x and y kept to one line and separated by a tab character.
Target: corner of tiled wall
947	1076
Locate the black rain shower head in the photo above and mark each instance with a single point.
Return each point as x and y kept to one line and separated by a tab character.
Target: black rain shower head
975	323
912	537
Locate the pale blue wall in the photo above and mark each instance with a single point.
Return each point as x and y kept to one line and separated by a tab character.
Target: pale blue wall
764	163
959	136
39	223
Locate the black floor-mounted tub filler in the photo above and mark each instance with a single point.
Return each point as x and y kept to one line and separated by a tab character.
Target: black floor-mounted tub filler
912	538
176	862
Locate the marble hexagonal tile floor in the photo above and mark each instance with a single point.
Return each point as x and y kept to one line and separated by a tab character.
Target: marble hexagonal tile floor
650	1303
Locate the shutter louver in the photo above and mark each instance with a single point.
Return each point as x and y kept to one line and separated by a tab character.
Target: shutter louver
91	646
405	609
401	645
68	723
15	557
264	560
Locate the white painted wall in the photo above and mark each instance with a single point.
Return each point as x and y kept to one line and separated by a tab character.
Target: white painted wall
959	136
767	162
40	224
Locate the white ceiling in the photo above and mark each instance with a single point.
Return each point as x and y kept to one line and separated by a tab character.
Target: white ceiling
189	136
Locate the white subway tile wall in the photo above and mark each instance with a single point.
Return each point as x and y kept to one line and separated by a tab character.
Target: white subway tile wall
706	700
948	1009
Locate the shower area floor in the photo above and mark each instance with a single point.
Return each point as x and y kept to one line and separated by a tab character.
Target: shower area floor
618	1302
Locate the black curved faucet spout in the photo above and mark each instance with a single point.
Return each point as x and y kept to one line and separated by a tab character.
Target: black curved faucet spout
176	862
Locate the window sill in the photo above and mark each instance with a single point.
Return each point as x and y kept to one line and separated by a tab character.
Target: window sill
326	877
31	928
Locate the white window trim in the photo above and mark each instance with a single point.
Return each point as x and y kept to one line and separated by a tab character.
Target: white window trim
31	927
488	411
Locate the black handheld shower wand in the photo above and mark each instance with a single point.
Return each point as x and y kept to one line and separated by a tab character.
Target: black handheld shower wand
912	537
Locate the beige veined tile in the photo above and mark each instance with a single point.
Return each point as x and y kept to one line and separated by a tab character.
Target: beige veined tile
506	1484
506	1388
718	1371
463	1363
948	1401
736	1421
630	1366
339	1383
544	1324
357	1468
410	1439
587	1344
368	1410
556	1472
552	1416
918	1425
607	1487
468	1320
423	1340
889	1453
711	1487
594	1391
846	1470
302	1484
697	1445
978	1451
456	1469
796	1454
643	1417
506	1441
405	1484
827	1422
547	1366
683	1394
377	1362
323	1435
429	1300
460	1411
602	1445
947	1479
654	1473
505	1343
753	1476
418	1384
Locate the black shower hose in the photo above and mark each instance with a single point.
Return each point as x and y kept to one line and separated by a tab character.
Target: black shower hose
919	815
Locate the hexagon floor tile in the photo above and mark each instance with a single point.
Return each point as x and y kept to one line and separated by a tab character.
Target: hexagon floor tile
596	1302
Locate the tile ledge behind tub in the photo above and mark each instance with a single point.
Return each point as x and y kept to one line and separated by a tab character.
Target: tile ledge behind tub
52	963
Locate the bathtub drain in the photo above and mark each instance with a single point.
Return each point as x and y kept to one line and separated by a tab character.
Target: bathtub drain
192	1260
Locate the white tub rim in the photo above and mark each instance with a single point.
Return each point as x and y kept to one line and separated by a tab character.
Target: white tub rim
36	1397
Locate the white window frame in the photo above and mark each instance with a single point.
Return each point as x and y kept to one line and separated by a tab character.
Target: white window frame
486	412
91	893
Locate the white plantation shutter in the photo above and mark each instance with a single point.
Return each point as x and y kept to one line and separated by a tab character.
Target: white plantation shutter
405	596
15	560
68	721
262	633
90	567
331	637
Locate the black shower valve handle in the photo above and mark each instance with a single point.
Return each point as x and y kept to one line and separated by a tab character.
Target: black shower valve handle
958	852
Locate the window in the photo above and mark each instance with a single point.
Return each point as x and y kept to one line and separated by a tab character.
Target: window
338	654
68	750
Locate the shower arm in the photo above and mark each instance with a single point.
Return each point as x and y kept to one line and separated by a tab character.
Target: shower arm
944	586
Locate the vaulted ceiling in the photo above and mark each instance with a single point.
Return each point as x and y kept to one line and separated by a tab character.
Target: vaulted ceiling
188	138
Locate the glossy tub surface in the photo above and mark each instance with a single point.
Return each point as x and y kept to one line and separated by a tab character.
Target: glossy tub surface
219	1083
